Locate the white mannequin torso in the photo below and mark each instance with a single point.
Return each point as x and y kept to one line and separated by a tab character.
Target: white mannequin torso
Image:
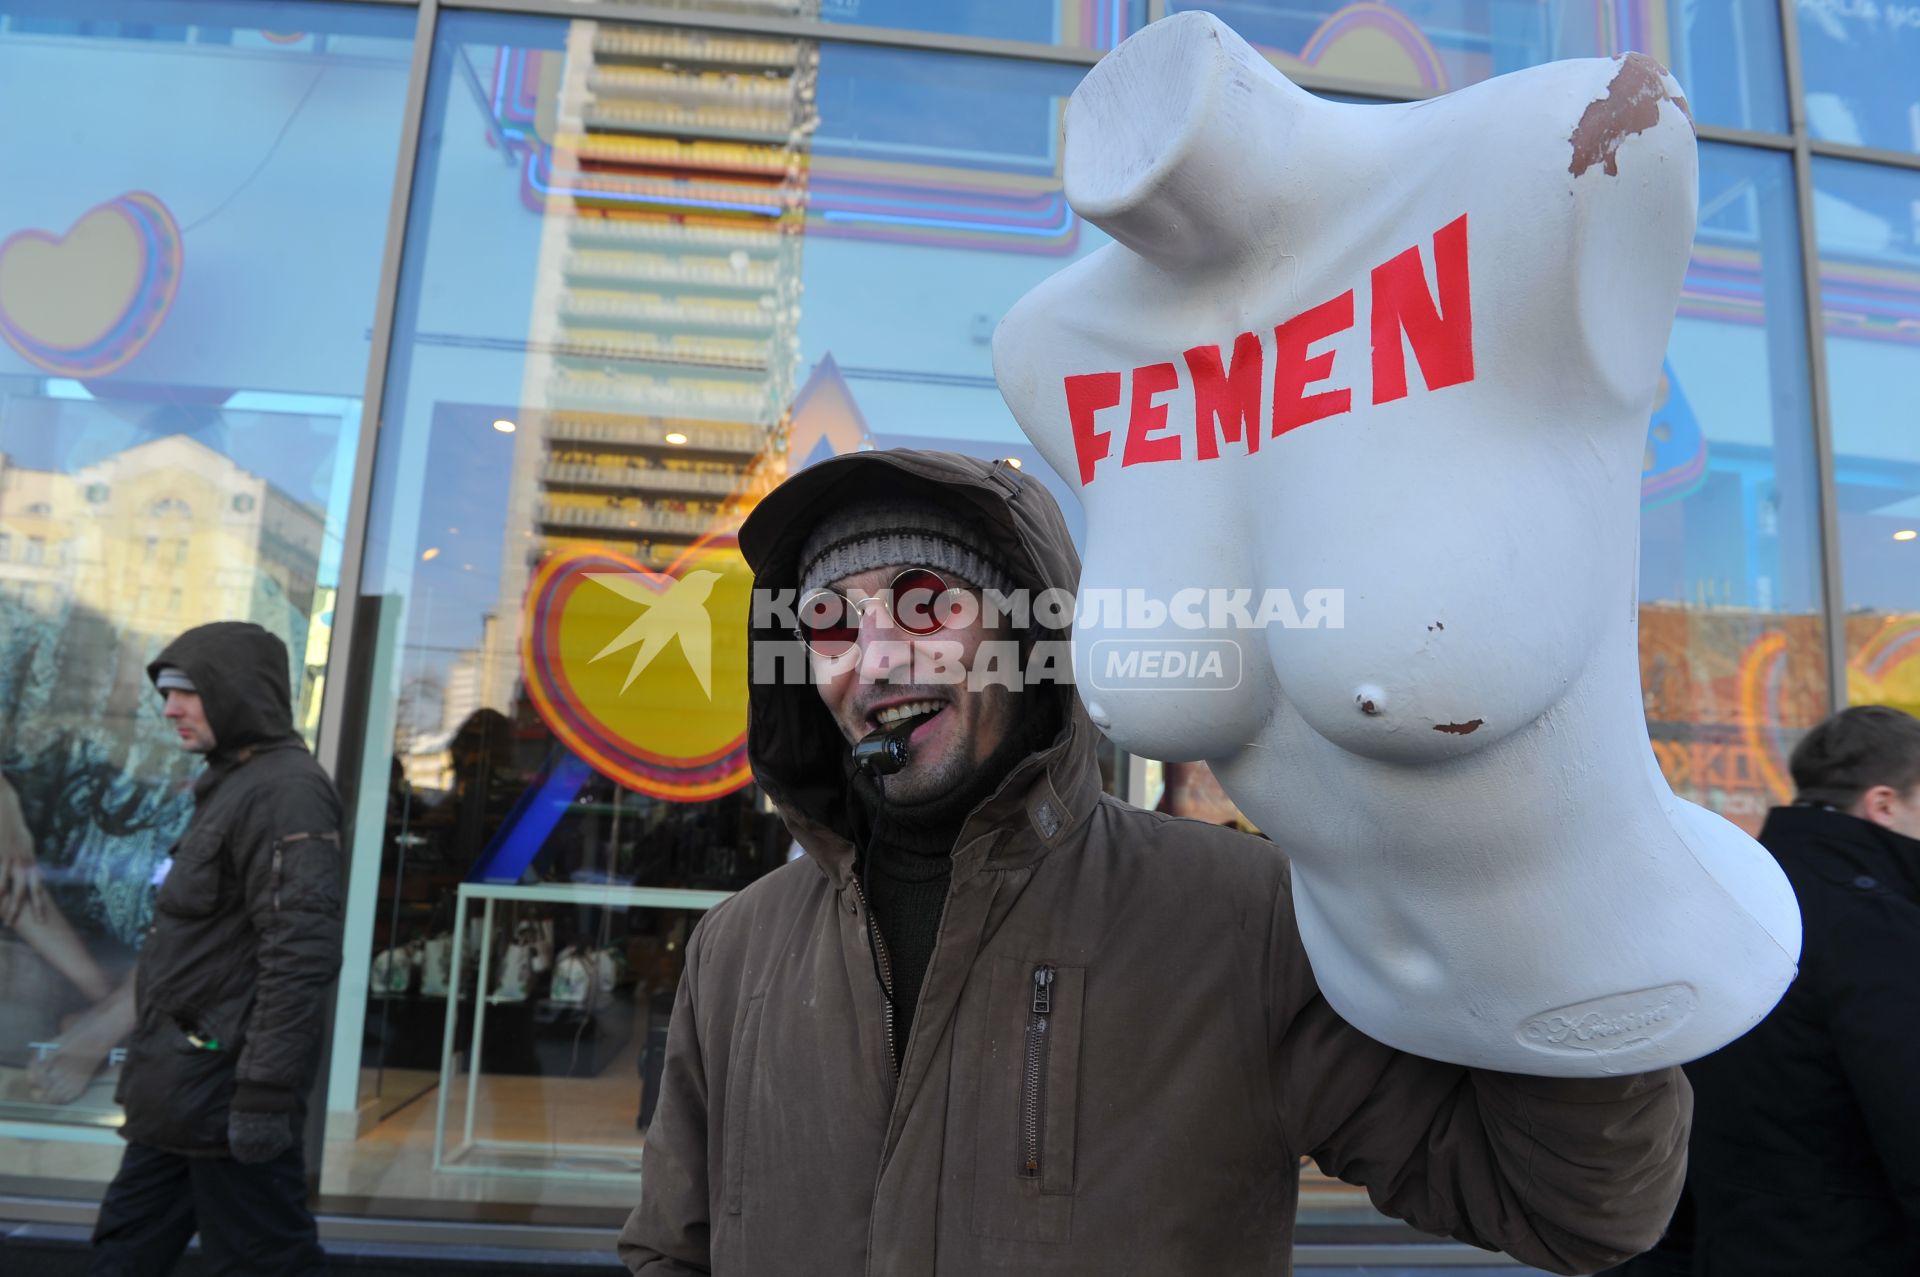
1489	867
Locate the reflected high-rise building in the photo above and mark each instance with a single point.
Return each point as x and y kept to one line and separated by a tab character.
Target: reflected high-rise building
663	342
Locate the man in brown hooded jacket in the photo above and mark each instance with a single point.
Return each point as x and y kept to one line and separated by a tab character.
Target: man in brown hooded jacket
997	1022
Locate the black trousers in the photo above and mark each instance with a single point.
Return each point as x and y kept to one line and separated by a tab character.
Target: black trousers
253	1221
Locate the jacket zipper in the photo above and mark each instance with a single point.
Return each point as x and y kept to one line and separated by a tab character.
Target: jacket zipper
885	961
277	850
1033	1088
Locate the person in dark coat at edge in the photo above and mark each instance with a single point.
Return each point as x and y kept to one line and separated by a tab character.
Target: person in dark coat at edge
1805	1154
995	1021
231	981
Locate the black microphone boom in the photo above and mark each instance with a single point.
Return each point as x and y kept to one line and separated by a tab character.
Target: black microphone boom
884	751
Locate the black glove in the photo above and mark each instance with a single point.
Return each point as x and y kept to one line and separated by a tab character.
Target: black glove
260	1124
258	1137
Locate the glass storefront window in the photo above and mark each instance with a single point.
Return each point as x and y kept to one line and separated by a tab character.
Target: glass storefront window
1726	56
1079	24
648	273
1732	642
1860	71
1868	225
191	222
1083	24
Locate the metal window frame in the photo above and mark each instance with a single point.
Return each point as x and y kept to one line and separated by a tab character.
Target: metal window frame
338	710
1363	1243
1863	154
334	701
1833	592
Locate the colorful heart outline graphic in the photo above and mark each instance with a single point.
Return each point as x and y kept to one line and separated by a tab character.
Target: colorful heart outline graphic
671	779
1380	21
1761	672
1877	673
157	280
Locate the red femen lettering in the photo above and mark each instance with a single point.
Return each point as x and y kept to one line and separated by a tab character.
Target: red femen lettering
1228	400
1148	417
1442	335
1087	394
1437	324
1294	370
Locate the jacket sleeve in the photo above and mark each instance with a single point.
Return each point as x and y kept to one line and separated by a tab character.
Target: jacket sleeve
668	1233
287	851
1872	1011
1569	1175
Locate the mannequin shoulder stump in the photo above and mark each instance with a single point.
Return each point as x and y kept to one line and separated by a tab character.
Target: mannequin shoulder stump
1156	124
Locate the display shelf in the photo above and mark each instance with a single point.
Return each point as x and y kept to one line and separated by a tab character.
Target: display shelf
475	1156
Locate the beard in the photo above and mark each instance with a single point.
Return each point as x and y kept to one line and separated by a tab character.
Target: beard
929	779
936	790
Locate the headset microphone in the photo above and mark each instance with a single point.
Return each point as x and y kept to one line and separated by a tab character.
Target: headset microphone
884	751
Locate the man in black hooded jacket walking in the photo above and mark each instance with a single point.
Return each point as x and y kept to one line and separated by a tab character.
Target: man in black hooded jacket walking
229	1004
1805	1157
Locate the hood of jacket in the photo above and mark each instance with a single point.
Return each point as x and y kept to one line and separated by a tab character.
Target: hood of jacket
240	671
797	751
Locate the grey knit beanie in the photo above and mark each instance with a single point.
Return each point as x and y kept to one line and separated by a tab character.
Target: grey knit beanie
890	532
172	678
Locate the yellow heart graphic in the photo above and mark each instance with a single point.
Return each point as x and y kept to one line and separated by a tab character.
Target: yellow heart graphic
644	673
1885	667
70	292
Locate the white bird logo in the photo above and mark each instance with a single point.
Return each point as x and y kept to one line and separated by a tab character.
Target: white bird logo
678	613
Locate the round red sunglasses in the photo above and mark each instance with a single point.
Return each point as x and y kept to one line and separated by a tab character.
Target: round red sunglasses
919	600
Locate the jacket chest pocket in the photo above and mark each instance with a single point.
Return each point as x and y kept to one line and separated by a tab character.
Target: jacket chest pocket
199	881
1029	1103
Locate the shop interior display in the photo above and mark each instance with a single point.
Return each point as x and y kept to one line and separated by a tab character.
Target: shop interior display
570	989
563	1014
1505	878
